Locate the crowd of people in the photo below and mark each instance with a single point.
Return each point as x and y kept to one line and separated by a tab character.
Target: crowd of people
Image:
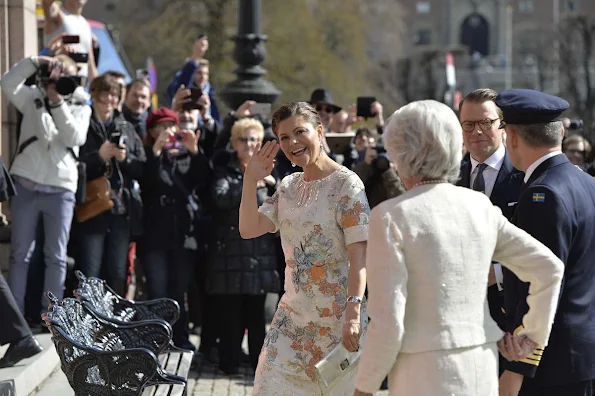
469	232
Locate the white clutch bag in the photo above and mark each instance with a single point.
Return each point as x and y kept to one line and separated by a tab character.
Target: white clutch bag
335	366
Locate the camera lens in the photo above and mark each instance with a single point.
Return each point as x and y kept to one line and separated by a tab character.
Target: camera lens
65	85
179	137
381	163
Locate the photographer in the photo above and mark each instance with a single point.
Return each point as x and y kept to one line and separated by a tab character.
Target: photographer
54	125
194	108
114	152
175	168
378	174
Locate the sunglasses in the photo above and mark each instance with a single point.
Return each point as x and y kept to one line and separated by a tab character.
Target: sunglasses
248	140
326	109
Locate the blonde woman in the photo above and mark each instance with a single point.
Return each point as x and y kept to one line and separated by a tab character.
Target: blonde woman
240	273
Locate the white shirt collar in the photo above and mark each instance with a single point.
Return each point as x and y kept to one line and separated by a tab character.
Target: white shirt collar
494	161
540	161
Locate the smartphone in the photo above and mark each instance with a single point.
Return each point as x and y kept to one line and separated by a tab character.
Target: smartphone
364	104
261	109
78	57
118	139
195	94
71	39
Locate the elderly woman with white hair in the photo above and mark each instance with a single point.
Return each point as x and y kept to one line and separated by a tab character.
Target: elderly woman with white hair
429	254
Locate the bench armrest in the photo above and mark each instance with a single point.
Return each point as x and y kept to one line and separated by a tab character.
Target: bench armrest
163	308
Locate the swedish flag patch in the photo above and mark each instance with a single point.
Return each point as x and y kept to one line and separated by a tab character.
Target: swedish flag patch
538	197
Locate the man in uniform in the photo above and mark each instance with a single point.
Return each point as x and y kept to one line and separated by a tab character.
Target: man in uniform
487	168
557	206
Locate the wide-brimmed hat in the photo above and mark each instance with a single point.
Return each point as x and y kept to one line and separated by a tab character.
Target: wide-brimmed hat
322	96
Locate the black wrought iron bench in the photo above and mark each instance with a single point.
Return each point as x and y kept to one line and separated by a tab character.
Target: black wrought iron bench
103	358
108	304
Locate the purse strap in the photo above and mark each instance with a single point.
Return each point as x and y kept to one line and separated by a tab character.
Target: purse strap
187	193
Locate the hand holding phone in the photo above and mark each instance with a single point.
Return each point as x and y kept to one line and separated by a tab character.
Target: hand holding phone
263	110
118	139
364	106
192	104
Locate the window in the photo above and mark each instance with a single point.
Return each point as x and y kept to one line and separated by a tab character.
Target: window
526	6
423	7
423	37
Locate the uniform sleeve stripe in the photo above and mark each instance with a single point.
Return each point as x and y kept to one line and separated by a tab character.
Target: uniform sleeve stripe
531	361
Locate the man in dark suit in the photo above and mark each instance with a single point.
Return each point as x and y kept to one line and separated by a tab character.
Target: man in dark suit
13	327
487	168
556	206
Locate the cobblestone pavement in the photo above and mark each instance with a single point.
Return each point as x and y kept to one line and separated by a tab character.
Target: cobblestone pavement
206	380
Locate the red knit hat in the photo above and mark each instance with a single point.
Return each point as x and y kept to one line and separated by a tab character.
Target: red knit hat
162	114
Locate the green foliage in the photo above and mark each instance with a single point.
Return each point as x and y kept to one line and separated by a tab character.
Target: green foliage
309	48
311	44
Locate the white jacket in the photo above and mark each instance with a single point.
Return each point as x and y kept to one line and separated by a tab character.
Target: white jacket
428	257
46	161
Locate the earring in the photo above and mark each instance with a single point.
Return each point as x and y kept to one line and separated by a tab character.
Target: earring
321	149
293	165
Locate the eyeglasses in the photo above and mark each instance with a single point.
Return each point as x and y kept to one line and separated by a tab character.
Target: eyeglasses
246	140
326	109
484	125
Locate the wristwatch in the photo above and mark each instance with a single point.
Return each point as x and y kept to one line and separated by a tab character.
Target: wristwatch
354	299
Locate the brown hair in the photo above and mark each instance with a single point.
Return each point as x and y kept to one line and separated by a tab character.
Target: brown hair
104	83
114	74
364	131
576	139
479	96
291	109
142	81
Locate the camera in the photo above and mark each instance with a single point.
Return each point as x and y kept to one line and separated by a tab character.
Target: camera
65	85
381	163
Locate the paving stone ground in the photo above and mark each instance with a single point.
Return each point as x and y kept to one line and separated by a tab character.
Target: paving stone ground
207	381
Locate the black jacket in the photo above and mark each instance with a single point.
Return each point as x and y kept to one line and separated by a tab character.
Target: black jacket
235	265
505	196
167	217
131	170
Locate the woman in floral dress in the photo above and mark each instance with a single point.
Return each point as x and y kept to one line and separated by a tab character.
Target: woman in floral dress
322	215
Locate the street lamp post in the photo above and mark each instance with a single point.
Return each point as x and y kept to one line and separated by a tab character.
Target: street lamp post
249	53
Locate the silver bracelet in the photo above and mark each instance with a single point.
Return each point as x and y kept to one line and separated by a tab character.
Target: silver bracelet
355	299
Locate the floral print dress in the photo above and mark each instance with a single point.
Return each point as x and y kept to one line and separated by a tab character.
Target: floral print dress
309	319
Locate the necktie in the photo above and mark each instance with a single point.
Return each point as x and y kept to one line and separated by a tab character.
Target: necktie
479	184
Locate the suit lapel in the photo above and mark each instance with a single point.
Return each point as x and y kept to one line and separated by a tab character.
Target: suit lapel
505	170
465	178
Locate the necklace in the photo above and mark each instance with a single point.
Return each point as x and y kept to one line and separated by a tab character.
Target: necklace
437	181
